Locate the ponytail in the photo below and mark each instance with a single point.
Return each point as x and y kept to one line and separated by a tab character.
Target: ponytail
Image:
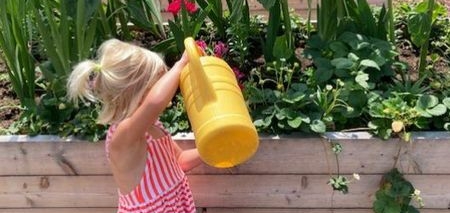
79	85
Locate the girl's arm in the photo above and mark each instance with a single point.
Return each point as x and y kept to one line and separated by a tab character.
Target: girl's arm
188	159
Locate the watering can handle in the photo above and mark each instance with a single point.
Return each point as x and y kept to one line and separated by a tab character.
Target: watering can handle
197	72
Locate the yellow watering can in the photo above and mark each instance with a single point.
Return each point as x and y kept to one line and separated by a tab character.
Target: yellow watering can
224	132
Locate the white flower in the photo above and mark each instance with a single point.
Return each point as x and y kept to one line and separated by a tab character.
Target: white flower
356	176
416	192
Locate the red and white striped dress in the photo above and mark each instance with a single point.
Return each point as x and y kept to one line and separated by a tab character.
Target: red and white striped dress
163	187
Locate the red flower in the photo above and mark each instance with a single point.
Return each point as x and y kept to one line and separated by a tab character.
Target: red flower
175	6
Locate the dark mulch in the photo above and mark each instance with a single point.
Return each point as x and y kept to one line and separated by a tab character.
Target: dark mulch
9	111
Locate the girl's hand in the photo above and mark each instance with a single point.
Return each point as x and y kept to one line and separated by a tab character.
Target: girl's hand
184	59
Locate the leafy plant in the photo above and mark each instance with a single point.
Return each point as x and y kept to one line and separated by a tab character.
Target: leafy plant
277	46
240	31
446	102
394	114
175	117
114	20
186	25
277	109
419	26
215	13
336	17
395	194
68	32
339	182
146	15
351	56
15	37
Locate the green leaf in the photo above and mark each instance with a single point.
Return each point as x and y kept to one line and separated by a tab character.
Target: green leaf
323	63
339	49
322	74
281	49
438	110
353	57
178	34
272	29
318	126
295	123
427	101
417	27
446	102
362	79
369	63
342	63
267	4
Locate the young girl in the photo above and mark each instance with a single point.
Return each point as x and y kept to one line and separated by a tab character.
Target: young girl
134	87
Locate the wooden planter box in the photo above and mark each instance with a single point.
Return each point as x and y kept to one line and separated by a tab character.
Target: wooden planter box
287	175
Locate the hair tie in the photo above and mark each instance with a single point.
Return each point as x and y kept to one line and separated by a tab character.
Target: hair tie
98	68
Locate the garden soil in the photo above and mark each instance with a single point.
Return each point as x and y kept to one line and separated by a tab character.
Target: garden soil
9	111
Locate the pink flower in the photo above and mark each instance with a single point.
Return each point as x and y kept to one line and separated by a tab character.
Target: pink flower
239	74
175	6
202	44
220	49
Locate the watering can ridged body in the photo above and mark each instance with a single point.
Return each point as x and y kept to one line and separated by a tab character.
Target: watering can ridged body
224	132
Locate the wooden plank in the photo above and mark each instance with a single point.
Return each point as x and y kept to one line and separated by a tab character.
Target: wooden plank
53	158
209	210
57	191
283	156
60	210
64	210
297	191
216	191
248	210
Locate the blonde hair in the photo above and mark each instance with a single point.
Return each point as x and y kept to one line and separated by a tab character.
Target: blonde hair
118	79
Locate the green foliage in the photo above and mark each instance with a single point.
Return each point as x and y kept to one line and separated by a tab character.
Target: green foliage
339	183
15	36
336	17
175	117
351	56
187	25
394	195
114	20
240	32
277	110
276	45
68	31
146	15
215	13
420	23
409	110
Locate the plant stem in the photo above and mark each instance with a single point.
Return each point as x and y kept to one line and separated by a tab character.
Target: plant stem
184	20
424	47
391	21
287	23
308	22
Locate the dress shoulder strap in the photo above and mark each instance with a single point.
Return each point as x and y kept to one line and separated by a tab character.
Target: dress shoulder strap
159	124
